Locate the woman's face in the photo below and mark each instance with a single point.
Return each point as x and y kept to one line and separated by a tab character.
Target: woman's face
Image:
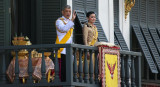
92	18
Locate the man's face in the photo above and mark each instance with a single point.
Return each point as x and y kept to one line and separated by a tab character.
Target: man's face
66	13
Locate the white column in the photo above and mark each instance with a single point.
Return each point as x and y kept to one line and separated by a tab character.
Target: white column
106	18
124	24
111	20
69	2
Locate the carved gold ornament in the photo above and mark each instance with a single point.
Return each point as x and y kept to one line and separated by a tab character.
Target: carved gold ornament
128	5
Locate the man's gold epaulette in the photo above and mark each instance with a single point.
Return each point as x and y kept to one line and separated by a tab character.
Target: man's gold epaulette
61	18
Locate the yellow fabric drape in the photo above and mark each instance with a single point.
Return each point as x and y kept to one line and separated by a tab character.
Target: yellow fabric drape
111	70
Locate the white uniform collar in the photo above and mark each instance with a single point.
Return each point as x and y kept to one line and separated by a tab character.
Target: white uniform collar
65	18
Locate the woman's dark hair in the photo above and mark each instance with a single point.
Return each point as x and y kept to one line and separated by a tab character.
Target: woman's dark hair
89	13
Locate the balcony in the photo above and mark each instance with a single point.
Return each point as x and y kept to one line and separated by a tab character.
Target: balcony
85	73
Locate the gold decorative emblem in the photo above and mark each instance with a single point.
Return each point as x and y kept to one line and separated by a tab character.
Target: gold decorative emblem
128	5
111	68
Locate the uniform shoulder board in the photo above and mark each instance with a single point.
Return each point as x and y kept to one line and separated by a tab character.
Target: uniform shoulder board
61	18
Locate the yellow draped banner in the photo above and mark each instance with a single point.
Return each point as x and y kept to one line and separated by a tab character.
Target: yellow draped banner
111	71
109	64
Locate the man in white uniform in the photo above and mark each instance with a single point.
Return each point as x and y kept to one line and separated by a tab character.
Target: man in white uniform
64	27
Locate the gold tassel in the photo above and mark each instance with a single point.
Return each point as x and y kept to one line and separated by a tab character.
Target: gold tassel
49	75
23	80
34	81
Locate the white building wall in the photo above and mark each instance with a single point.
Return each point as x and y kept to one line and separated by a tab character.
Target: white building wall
124	24
69	2
106	18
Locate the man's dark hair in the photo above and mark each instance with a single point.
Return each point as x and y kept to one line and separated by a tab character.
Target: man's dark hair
89	13
66	6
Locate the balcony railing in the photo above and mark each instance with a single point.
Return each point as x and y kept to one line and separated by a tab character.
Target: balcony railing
130	70
85	73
